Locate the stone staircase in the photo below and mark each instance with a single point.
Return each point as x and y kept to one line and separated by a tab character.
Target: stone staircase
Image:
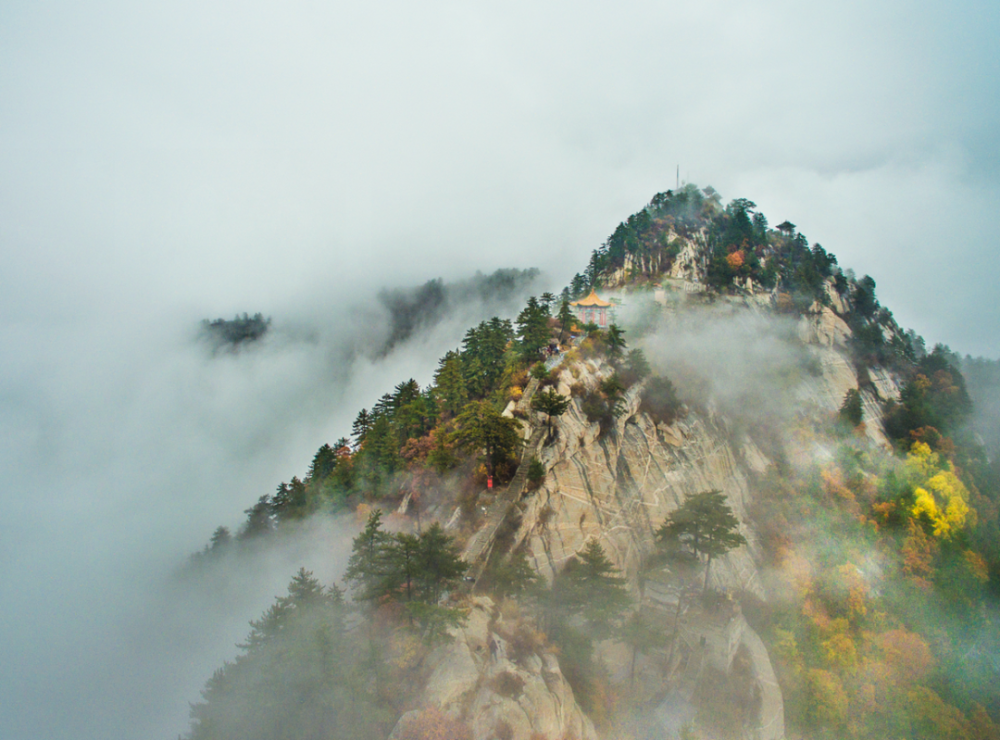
477	552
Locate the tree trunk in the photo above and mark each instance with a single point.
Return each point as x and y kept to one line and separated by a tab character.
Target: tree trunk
677	620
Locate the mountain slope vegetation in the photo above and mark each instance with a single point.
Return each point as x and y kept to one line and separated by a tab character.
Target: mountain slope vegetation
873	523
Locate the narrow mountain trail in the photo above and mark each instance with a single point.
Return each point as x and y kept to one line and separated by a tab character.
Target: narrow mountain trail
478	551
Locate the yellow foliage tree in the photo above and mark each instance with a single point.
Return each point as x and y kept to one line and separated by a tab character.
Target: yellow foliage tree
828	701
840	651
921	462
940	496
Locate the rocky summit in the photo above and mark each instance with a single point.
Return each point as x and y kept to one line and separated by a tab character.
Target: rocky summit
712	490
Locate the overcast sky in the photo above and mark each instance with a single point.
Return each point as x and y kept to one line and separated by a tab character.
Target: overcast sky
161	163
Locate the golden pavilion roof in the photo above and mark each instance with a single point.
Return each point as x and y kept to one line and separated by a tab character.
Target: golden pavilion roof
591	300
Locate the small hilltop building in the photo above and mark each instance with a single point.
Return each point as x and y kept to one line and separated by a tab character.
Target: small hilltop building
592	310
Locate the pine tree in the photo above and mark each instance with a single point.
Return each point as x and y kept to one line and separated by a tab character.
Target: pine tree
513	577
533	329
384	407
368	568
220	539
450	384
851	410
440	562
590	586
359	430
566	319
323	463
482	427
483	350
551	403
403	566
616	343
706	523
259	519
404	393
642	637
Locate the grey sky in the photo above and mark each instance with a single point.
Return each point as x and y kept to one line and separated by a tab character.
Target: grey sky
205	153
161	163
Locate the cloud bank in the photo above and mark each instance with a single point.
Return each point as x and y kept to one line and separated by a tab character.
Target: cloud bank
162	164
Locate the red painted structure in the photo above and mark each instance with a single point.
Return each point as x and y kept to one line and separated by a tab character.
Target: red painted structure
592	310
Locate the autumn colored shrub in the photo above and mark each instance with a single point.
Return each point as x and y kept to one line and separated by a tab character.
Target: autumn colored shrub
827	700
507	684
433	724
526	640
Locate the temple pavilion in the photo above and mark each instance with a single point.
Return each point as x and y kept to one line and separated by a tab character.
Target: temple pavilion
592	310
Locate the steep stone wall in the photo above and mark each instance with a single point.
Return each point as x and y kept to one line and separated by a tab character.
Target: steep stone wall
481	679
618	487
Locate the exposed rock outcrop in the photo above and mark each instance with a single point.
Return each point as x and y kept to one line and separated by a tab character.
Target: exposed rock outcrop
498	686
620	485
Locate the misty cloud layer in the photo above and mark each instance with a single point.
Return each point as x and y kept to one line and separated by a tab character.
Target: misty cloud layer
168	163
127	444
202	153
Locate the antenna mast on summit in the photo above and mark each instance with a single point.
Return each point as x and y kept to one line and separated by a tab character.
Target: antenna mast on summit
678	177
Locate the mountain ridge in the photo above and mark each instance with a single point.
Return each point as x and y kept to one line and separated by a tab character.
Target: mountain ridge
837	378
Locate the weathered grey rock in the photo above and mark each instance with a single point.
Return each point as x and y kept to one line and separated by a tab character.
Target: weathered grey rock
474	678
824	327
619	487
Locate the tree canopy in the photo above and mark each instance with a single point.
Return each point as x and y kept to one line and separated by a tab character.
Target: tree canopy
704	522
483	428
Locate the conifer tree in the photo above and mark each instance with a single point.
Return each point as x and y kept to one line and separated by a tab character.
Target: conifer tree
642	637
440	562
591	587
259	519
706	523
450	385
359	430
323	463
482	427
384	407
566	318
533	329
367	570
616	343
404	393
482	355
551	403
851	410
514	576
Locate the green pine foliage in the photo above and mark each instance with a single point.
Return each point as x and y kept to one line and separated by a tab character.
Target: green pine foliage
297	676
851	410
551	403
533	330
912	623
706	524
933	401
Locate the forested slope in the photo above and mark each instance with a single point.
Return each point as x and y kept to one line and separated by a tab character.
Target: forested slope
753	448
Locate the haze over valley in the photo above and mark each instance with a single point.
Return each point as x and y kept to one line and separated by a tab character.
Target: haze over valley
359	176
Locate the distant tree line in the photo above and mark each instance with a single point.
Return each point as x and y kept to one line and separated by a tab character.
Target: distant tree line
237	331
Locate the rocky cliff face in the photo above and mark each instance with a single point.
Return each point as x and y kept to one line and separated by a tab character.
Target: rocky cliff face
495	678
617	487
